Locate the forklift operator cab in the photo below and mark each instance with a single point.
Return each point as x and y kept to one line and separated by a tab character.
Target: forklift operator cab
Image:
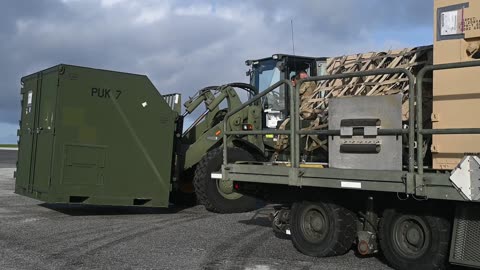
268	71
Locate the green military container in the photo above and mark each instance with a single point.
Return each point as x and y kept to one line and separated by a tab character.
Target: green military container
95	137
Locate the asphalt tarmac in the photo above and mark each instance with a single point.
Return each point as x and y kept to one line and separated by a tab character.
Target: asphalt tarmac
8	158
34	235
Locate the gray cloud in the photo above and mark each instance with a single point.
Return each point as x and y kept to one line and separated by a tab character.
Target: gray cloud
185	46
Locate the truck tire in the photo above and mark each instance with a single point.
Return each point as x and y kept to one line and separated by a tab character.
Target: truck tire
411	241
322	229
209	191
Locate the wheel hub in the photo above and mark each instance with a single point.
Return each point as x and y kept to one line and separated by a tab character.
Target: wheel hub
315	225
225	188
411	236
414	236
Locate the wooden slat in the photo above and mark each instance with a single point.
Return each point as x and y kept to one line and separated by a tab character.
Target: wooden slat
412	59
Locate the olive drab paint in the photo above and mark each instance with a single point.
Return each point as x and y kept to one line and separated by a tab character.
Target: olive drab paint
85	137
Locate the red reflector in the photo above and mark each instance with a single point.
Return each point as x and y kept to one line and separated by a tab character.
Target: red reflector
236	186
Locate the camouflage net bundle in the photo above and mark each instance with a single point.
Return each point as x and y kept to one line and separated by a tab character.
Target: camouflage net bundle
314	107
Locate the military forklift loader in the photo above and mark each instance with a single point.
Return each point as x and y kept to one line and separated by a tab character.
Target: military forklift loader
98	137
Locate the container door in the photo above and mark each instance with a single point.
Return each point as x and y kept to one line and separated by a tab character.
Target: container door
25	148
44	133
36	134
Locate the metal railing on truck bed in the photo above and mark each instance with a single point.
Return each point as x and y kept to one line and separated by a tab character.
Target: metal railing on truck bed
410	182
420	131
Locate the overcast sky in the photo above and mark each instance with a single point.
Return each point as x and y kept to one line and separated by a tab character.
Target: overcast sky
185	45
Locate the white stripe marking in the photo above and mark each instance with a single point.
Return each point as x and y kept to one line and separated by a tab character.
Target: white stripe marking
351	184
216	176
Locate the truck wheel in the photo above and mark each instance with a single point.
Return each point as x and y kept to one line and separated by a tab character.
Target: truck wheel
216	195
322	229
411	241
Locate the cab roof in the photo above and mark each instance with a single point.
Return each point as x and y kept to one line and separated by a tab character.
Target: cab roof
278	56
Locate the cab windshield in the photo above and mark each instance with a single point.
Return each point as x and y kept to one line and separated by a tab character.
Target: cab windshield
266	74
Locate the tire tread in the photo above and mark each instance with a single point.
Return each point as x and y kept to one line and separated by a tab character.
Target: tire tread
439	225
344	234
243	204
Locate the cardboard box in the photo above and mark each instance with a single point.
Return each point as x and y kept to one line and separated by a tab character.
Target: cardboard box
456	93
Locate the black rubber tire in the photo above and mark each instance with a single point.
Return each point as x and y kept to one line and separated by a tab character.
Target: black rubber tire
433	253
206	188
338	237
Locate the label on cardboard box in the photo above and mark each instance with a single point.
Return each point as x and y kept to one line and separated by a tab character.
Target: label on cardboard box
451	22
